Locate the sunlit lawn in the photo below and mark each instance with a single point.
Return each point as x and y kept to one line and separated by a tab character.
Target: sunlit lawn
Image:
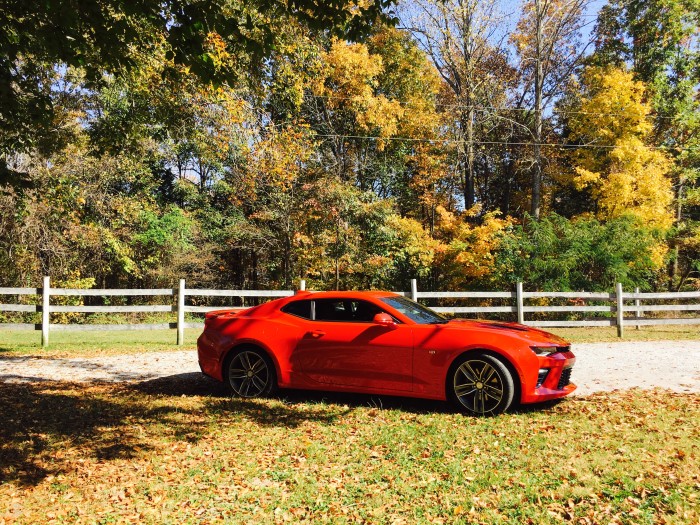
167	451
645	333
178	450
94	343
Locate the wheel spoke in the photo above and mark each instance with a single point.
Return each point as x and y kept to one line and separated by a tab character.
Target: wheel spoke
259	383
484	401
488	396
475	376
495	391
247	383
470	376
463	389
258	366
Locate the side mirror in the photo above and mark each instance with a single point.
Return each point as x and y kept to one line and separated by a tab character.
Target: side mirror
384	319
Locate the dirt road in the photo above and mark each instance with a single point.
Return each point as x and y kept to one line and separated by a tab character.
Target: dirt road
599	366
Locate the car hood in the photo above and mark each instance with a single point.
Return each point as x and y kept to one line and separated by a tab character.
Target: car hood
528	333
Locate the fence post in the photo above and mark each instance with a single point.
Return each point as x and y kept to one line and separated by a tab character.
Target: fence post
181	313
414	289
519	302
302	285
620	310
45	304
637	303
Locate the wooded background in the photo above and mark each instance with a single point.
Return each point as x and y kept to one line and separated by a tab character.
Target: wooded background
249	144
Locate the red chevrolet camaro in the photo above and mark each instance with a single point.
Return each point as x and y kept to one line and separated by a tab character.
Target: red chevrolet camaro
382	343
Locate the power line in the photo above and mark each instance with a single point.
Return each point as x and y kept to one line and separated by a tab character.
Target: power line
492	108
485	142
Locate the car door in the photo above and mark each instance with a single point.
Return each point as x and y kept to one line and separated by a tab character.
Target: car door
343	347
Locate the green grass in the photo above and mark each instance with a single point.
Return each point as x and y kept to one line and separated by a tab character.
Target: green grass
87	344
176	451
645	333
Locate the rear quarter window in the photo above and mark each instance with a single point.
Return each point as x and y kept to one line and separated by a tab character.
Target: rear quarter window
298	308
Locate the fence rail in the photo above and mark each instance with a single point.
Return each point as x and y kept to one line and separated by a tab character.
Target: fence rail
613	313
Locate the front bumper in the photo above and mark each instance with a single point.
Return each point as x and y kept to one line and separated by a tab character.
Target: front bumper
553	380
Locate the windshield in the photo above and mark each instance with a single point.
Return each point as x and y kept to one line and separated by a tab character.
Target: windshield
414	311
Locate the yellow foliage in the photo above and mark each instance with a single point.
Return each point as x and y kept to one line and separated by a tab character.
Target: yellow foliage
417	247
348	84
468	250
623	174
275	163
216	49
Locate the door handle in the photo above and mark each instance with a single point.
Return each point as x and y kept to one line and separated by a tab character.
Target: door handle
317	333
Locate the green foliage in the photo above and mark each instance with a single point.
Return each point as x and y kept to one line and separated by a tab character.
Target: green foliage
111	35
163	238
558	254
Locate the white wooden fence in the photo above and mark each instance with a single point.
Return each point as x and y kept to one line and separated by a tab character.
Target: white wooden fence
611	308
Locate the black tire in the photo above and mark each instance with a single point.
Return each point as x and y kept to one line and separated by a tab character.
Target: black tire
250	373
480	384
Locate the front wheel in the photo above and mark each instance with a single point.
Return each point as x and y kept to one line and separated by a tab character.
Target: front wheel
250	373
480	384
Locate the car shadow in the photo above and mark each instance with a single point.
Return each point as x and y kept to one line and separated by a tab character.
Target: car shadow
188	384
98	419
197	384
382	402
535	407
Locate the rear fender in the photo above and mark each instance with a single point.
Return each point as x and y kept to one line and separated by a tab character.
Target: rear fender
242	344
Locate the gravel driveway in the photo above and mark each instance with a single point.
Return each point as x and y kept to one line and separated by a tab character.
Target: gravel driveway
599	366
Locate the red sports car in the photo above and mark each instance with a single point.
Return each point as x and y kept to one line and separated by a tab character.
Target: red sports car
382	343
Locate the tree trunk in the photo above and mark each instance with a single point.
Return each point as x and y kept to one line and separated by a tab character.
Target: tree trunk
673	281
537	168
469	194
508	168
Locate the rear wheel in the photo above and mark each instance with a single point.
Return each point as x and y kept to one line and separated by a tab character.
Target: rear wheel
250	373
481	384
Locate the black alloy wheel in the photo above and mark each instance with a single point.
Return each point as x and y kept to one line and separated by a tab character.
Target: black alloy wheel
250	373
481	384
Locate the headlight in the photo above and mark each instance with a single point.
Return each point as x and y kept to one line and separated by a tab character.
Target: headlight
545	350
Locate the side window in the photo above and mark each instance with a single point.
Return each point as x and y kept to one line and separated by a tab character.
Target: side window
345	310
298	308
333	310
364	312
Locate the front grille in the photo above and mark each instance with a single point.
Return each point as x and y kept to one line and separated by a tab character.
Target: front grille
565	378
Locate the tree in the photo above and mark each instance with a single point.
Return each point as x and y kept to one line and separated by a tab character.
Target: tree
109	35
466	253
460	37
559	254
659	41
615	163
549	50
350	107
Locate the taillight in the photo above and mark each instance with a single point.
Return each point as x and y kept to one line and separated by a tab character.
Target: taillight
210	317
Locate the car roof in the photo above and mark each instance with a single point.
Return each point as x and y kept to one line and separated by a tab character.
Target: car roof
343	294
